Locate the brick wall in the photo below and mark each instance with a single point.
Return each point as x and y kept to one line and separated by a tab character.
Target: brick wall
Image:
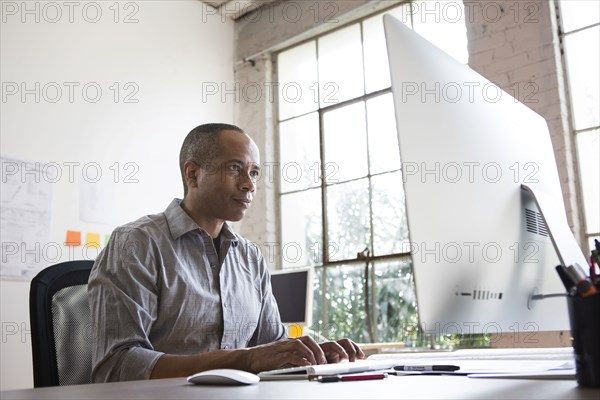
254	114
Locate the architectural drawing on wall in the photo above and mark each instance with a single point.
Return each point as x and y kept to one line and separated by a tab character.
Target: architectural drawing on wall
26	208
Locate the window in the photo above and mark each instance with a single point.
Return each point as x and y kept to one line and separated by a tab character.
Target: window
340	189
580	32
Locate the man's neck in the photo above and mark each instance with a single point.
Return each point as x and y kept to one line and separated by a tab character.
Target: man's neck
212	226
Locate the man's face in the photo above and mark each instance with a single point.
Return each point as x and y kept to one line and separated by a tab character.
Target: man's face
227	184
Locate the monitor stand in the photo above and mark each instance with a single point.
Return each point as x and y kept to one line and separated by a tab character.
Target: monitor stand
562	238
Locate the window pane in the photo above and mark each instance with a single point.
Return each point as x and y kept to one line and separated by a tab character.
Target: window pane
579	13
397	305
301	231
348	219
299	153
297	75
384	152
338	296
390	229
583	62
345	143
340	66
443	24
588	148
377	71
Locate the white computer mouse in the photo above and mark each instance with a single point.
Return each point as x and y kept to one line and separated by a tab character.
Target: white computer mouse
224	376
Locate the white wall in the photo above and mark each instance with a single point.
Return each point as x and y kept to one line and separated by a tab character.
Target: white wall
166	52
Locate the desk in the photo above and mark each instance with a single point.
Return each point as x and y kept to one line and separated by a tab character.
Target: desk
394	387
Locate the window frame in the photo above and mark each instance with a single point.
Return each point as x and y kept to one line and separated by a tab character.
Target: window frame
369	261
562	35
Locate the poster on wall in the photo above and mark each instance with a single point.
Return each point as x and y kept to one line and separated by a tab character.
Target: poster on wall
25	217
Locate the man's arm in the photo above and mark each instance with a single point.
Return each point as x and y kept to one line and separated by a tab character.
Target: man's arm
302	351
268	349
123	303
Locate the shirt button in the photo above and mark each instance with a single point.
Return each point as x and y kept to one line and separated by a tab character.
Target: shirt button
213	265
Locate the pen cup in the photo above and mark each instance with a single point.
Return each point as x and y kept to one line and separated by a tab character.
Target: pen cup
584	314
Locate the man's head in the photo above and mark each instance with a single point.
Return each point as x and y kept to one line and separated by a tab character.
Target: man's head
219	165
202	145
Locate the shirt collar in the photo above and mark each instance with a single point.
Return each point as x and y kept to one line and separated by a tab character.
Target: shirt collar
181	223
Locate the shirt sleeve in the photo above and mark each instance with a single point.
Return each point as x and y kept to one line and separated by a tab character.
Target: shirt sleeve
123	296
270	328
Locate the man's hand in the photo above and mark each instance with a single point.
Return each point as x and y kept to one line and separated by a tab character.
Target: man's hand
302	351
299	352
342	349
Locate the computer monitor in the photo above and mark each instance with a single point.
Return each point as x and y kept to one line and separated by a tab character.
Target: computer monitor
472	157
293	291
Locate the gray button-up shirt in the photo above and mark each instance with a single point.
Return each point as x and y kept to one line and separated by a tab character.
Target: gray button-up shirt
160	287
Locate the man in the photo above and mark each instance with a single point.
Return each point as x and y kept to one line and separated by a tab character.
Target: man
179	292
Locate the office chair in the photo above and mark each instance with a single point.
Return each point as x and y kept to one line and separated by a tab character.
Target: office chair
61	333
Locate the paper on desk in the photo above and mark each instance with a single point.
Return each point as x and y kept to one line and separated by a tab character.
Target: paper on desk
529	370
522	362
512	366
326	369
552	374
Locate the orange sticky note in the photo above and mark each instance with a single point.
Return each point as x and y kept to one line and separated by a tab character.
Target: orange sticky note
92	240
73	238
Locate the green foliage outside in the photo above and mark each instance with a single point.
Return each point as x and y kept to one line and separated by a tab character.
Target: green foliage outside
372	300
394	316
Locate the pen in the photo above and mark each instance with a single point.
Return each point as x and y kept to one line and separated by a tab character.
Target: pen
564	278
594	261
349	378
584	286
426	368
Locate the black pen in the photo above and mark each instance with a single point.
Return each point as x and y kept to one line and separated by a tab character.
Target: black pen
594	261
445	368
564	277
349	378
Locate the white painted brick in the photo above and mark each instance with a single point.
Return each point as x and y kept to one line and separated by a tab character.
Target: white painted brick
505	51
507	65
485	43
481	59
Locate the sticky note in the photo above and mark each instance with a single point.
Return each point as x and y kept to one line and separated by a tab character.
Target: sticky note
296	330
73	238
92	240
106	238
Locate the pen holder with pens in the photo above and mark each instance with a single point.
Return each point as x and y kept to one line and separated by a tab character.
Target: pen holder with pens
584	315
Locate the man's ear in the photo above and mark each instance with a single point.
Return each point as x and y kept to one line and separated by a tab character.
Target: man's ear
192	173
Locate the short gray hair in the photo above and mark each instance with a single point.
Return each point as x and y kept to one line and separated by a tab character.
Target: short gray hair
202	145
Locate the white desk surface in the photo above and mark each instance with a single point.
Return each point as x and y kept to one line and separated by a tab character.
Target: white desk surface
394	387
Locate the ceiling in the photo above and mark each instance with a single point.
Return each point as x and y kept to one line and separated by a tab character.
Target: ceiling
234	9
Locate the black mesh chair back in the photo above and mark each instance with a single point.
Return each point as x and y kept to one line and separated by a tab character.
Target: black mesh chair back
61	332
